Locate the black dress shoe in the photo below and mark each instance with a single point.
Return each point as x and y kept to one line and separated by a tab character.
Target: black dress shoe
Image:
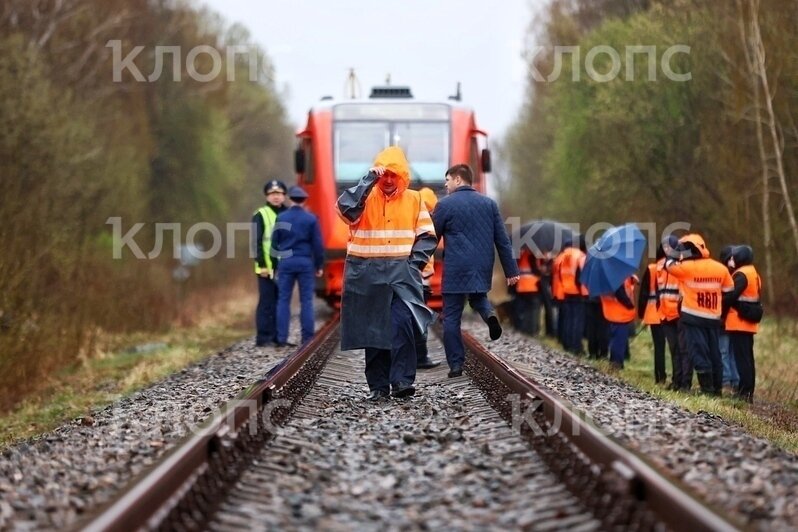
376	395
456	371
403	390
427	364
494	327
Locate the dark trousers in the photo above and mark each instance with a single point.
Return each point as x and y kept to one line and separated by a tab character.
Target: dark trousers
619	342
597	330
704	352
453	305
385	367
547	301
422	353
680	364
286	278
573	312
658	338
265	315
527	312
742	345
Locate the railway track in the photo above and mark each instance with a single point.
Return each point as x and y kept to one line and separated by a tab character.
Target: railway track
301	448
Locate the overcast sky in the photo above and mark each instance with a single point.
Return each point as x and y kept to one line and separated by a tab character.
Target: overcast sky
429	45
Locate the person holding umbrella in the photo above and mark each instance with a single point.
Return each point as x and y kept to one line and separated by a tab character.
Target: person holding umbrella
619	311
609	272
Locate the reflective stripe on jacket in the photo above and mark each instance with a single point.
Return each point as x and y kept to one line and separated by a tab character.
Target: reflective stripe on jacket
375	272
751	294
703	283
669	294
269	218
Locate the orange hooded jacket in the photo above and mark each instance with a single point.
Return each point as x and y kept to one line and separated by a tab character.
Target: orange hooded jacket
388	225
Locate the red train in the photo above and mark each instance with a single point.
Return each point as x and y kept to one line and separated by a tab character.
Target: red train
341	138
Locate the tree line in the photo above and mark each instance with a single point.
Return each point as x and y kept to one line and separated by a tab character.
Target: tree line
718	151
76	148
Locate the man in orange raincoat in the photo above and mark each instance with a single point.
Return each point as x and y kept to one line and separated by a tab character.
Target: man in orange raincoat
391	240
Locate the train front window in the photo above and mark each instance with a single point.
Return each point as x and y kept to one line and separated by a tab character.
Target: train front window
356	144
426	145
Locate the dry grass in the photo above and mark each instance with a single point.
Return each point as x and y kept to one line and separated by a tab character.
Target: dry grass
115	371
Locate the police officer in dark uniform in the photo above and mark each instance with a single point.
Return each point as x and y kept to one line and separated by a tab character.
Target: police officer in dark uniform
264	220
296	243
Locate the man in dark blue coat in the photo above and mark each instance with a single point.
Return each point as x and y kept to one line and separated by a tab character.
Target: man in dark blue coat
296	242
471	226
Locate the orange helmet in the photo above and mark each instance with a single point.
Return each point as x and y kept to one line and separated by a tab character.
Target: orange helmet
696	241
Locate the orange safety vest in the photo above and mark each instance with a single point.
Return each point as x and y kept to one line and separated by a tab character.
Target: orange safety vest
669	294
389	225
651	313
751	294
430	201
529	283
556	283
613	310
571	260
702	283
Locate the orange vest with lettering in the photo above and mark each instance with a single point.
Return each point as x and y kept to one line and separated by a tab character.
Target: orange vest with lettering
751	294
613	310
702	283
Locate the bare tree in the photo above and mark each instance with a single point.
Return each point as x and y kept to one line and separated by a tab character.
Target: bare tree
760	68
748	53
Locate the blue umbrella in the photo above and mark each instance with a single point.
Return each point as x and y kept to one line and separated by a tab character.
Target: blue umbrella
614	257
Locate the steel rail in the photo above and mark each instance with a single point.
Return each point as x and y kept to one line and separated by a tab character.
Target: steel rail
668	499
147	500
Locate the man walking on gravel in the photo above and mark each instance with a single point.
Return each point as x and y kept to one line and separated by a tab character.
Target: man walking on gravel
470	225
391	239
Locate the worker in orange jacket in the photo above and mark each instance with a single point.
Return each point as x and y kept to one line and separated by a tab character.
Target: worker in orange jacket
669	299
619	311
703	283
742	319
526	305
557	296
391	239
423	361
731	378
648	311
572	322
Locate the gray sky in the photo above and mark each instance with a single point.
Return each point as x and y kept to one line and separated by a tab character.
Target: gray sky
429	45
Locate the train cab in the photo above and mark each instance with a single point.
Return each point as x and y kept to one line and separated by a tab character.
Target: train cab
341	138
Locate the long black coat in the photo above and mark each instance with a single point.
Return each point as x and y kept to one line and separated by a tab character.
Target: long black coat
370	284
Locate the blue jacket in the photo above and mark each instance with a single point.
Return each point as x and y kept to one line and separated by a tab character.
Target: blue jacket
471	225
296	240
